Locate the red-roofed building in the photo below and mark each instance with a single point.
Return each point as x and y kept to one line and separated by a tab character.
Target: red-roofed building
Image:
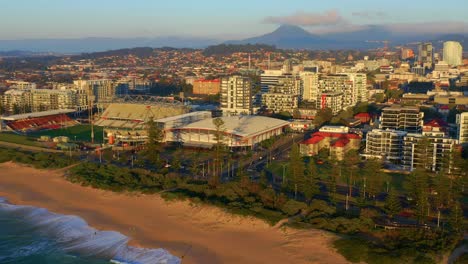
436	125
337	143
444	109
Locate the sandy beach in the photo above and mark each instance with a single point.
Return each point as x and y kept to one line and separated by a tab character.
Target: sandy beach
206	233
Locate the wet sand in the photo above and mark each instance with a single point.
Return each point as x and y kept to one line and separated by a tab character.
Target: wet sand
204	234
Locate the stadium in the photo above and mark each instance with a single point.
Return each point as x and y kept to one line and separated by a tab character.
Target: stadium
125	122
38	121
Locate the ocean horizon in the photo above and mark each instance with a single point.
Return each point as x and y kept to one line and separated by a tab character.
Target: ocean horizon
35	235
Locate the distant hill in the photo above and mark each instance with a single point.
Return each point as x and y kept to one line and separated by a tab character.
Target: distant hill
82	45
226	49
439	41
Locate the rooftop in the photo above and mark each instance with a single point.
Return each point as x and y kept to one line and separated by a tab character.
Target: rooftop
37	114
241	125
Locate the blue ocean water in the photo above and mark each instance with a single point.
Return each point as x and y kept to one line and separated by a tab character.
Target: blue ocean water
35	235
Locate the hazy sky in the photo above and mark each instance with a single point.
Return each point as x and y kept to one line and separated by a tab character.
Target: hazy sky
223	19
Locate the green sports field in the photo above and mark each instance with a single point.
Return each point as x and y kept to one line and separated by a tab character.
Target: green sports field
18	139
80	132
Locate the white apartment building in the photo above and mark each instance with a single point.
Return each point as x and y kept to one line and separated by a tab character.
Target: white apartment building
408	119
453	53
386	144
284	95
309	86
269	77
236	95
21	85
431	154
17	101
339	83
102	89
35	100
360	85
462	127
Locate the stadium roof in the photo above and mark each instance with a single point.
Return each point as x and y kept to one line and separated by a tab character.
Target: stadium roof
177	117
244	126
141	112
37	114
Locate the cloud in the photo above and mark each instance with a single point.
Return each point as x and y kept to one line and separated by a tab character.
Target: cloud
369	14
330	17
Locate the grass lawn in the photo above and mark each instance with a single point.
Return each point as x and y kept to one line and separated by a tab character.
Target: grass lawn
81	132
19	139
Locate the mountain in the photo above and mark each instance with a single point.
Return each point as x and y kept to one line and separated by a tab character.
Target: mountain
371	36
286	37
295	37
80	45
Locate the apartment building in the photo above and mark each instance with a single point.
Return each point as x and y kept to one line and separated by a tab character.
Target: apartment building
462	127
386	144
425	54
236	95
206	87
278	102
408	119
16	101
453	53
35	100
353	86
332	100
102	89
428	149
284	95
22	85
309	86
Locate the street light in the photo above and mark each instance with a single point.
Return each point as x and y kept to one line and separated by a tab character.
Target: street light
284	170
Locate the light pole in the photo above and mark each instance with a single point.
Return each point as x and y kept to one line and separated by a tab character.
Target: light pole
284	169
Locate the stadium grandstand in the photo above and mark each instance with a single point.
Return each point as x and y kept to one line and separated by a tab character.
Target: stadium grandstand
38	121
125	122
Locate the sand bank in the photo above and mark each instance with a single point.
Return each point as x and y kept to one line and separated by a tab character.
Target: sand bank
205	233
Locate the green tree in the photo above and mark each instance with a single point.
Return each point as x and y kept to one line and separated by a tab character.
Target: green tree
456	218
392	203
417	186
458	174
443	197
351	161
153	146
333	173
296	180
323	116
372	177
311	186
219	148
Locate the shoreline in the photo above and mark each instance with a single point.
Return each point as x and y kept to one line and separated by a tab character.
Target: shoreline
206	234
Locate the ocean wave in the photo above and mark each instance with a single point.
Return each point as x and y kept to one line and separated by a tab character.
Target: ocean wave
73	235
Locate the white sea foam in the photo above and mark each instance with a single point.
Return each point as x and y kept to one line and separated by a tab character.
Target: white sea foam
74	236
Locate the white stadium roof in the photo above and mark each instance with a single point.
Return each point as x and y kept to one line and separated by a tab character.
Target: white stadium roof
244	126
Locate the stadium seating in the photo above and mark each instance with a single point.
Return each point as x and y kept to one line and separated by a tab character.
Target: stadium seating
41	123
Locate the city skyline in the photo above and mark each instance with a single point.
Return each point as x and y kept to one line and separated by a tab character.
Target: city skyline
210	19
